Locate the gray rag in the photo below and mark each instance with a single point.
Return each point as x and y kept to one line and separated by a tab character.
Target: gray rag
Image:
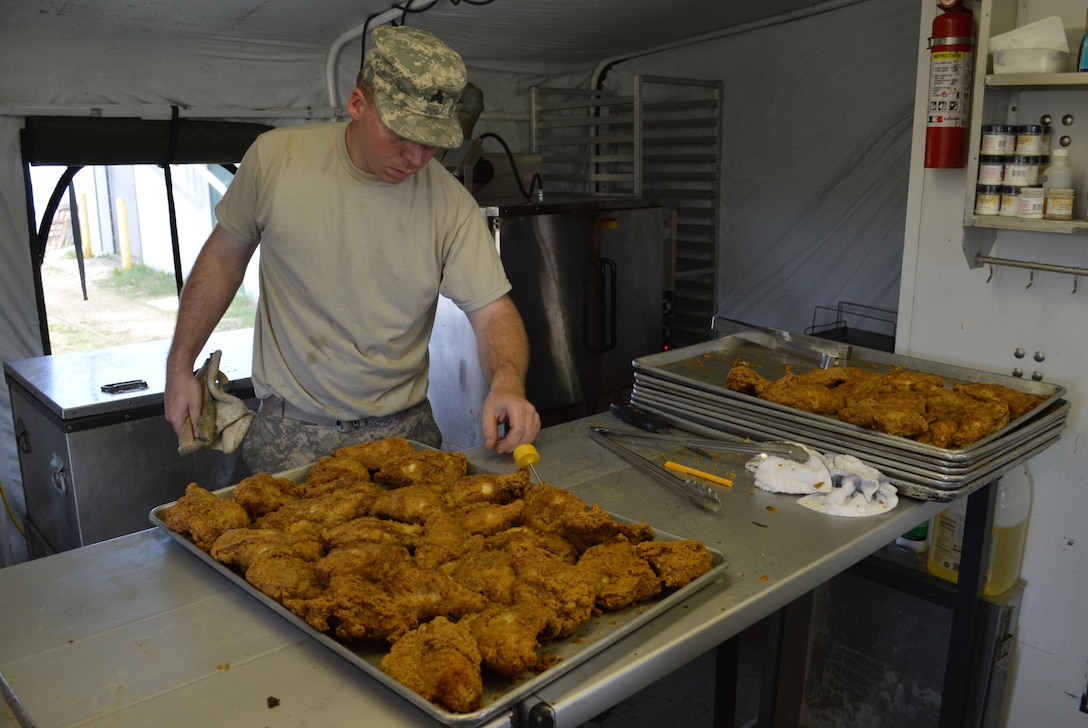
224	419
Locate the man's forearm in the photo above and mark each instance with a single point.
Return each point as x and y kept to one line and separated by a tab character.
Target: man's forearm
212	285
503	346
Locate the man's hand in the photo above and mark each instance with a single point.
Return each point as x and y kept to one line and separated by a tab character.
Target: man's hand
184	399
520	416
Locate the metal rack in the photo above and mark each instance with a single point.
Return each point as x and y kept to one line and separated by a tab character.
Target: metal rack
661	142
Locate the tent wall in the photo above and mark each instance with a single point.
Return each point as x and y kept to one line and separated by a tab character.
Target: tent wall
815	153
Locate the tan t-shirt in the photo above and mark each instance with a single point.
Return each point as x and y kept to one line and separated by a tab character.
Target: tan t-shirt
350	271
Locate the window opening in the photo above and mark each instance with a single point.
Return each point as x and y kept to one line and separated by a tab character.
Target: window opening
108	268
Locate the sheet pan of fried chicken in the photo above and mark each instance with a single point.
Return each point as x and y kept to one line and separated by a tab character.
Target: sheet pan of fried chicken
462	591
929	426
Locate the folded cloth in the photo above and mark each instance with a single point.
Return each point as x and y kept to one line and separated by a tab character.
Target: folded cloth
777	474
224	419
835	484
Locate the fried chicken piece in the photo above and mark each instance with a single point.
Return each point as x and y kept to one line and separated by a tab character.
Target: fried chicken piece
263	493
439	661
371	561
978	422
553	543
444	539
410	504
1019	403
508	637
835	376
432	467
906	379
203	516
355	610
374	530
676	563
425	594
554	510
793	391
565	592
623	576
744	379
374	594
285	577
960	419
487	572
490	519
375	453
331	475
243	546
939	433
901	414
470	490
313	514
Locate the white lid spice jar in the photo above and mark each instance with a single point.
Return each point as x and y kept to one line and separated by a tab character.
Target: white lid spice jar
993	139
991	169
1017	170
1030	206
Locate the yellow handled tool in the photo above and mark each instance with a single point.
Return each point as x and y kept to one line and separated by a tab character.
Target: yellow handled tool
526	456
678	468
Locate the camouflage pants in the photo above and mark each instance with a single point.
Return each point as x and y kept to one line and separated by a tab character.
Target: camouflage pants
276	443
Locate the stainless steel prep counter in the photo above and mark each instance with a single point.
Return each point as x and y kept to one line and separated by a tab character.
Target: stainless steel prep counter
136	632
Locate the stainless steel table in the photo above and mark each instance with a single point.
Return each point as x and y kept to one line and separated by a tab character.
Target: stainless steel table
136	632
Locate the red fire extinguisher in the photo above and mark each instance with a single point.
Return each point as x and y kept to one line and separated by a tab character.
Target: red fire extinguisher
951	57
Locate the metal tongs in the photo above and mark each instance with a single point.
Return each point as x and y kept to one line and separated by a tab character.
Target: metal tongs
788	450
698	493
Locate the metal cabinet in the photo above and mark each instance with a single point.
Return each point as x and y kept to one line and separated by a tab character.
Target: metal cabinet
94	464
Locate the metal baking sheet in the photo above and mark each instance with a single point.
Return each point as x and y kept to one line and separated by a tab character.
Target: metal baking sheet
925	458
916	483
761	430
704	367
499	695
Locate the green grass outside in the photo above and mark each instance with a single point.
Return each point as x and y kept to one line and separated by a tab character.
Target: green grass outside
140	282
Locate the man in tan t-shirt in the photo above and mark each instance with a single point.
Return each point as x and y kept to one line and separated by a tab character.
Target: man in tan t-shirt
360	231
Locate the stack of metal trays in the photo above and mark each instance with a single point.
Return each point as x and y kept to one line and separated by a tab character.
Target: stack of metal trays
686	387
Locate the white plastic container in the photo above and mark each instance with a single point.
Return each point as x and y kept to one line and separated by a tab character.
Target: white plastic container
1058	173
1007	537
1031	60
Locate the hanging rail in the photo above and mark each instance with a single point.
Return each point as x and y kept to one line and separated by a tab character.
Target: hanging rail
1032	266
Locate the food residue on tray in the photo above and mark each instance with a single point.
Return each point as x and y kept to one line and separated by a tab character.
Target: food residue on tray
454	575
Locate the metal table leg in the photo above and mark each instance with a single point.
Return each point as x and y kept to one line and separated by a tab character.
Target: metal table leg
959	699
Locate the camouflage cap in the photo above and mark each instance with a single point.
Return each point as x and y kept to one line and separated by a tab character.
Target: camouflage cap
417	81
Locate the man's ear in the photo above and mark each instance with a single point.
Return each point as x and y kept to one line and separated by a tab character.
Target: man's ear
356	103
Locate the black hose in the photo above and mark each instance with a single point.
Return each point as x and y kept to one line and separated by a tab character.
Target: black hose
510	158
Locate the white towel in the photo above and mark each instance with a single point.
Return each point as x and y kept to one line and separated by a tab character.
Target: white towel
835	484
224	419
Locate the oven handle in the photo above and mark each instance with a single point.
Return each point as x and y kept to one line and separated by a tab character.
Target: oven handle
606	310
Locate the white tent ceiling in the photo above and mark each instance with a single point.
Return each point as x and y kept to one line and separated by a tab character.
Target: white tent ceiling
519	31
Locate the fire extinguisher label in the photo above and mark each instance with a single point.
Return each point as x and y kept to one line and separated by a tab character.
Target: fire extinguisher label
949	88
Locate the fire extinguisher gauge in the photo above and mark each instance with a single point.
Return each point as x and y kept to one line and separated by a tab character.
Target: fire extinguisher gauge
949	4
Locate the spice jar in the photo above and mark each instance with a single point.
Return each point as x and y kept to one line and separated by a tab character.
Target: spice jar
1017	170
1030	206
1058	204
1010	201
987	199
991	169
1029	139
993	139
